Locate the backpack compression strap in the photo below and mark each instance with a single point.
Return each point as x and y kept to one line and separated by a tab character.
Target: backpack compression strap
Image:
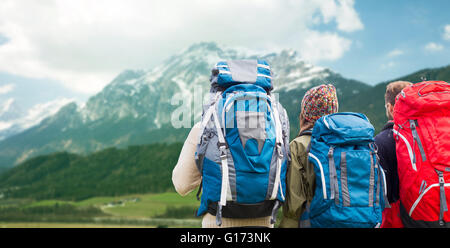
374	147
207	117
224	162
279	145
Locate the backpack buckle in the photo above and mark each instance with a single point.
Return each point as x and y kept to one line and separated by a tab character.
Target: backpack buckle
223	155
222	145
223	150
279	150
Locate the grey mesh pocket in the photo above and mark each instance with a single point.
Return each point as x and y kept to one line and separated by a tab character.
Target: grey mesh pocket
251	125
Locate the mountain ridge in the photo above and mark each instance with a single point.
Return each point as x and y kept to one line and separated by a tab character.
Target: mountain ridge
135	107
138	103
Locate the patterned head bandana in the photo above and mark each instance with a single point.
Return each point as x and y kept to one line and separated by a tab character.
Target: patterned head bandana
319	101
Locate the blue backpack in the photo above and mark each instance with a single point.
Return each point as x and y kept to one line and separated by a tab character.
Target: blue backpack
350	184
243	149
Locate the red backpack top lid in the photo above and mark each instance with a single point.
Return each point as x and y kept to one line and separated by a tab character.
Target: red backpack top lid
425	98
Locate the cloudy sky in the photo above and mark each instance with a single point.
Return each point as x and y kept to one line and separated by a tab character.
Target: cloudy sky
70	49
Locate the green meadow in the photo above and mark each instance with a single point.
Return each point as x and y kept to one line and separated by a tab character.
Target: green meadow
137	210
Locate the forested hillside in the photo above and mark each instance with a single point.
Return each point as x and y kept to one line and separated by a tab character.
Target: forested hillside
110	172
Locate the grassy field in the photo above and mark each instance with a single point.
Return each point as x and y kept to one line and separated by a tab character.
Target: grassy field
140	206
64	225
140	210
129	211
152	205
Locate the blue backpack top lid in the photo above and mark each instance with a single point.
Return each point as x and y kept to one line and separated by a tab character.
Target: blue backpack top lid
344	128
233	72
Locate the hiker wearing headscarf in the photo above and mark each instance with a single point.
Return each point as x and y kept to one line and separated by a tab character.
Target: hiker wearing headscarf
300	180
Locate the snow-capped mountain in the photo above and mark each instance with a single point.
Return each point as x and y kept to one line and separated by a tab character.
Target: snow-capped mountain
136	107
148	94
137	94
13	119
10	110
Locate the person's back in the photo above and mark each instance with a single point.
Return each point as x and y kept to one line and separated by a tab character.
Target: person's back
388	158
300	180
242	153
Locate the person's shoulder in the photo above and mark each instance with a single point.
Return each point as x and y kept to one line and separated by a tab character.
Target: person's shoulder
385	139
386	131
193	135
382	137
383	133
301	139
300	143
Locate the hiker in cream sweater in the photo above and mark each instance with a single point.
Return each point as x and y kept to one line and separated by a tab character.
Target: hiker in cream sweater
186	178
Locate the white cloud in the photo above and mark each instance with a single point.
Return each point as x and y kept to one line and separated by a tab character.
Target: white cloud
7	105
344	14
3	39
323	46
446	34
5	125
433	47
83	44
395	53
388	65
6	88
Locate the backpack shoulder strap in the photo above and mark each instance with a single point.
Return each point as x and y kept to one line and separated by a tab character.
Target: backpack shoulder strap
206	118
279	144
208	114
306	132
223	149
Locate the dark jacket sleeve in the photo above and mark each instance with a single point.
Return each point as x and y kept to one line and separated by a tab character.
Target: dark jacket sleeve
388	160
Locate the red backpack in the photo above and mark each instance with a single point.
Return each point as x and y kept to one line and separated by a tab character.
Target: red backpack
422	136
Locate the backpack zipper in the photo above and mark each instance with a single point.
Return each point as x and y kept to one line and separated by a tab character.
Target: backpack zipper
423	186
408	147
423	193
413	124
322	176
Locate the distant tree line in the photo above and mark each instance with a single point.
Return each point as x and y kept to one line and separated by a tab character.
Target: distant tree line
52	213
